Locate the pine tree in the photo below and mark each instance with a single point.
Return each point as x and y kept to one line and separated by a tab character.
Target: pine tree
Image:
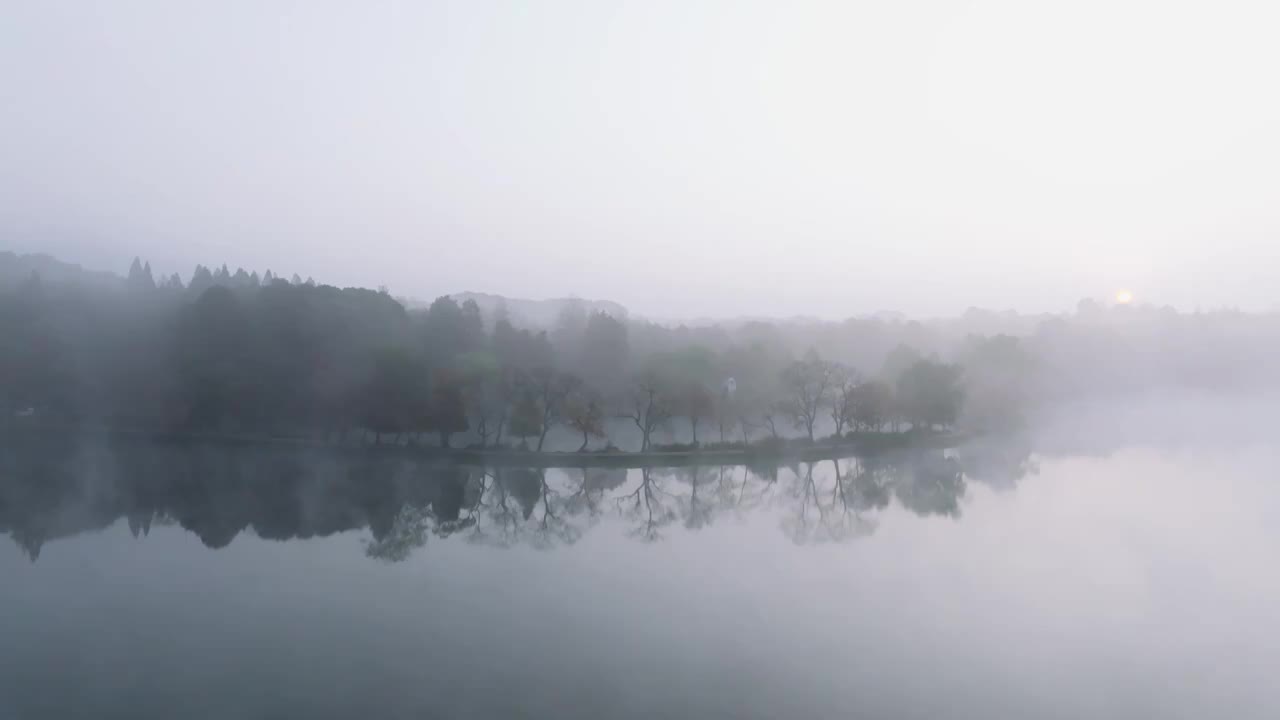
140	277
201	280
135	273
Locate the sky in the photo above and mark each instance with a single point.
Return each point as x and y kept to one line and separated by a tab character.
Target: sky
687	158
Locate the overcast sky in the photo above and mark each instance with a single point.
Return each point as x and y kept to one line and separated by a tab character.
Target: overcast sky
683	158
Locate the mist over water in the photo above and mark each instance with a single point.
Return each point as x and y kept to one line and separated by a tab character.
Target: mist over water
890	359
1047	575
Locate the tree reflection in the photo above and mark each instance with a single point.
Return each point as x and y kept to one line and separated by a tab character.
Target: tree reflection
217	493
413	523
929	484
529	505
649	508
827	507
408	532
1000	463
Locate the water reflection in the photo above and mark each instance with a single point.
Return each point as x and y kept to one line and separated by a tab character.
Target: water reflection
281	494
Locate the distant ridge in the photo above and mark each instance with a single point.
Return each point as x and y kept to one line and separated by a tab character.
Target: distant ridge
537	313
16	269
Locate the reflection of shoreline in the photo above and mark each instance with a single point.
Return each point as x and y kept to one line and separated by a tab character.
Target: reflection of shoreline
281	493
788	450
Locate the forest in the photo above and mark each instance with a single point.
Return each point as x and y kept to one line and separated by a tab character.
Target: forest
243	355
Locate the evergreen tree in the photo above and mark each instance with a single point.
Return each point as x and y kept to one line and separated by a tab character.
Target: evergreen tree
201	280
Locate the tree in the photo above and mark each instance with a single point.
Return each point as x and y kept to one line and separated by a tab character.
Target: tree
897	361
584	414
647	406
604	359
769	418
929	394
726	412
444	331
505	342
872	404
550	390
395	397
140	277
696	404
201	280
998	379
448	409
487	399
520	348
214	339
844	383
807	383
566	337
472	327
526	417
686	373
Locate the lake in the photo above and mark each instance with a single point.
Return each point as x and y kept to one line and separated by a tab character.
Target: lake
996	580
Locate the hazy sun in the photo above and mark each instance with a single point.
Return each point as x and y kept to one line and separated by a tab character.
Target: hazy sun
1124	297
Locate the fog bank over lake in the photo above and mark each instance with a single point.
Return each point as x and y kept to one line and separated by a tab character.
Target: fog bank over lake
993	579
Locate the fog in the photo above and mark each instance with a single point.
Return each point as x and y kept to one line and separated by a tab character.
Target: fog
1000	581
639	359
747	158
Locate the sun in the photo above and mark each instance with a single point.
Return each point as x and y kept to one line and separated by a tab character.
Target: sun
1124	297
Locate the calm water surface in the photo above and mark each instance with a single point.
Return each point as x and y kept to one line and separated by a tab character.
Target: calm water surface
984	582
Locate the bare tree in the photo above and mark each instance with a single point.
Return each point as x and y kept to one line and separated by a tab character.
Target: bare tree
808	383
488	399
551	390
647	406
696	403
844	384
648	506
769	419
584	415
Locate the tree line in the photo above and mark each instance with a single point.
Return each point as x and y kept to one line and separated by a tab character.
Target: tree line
239	353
